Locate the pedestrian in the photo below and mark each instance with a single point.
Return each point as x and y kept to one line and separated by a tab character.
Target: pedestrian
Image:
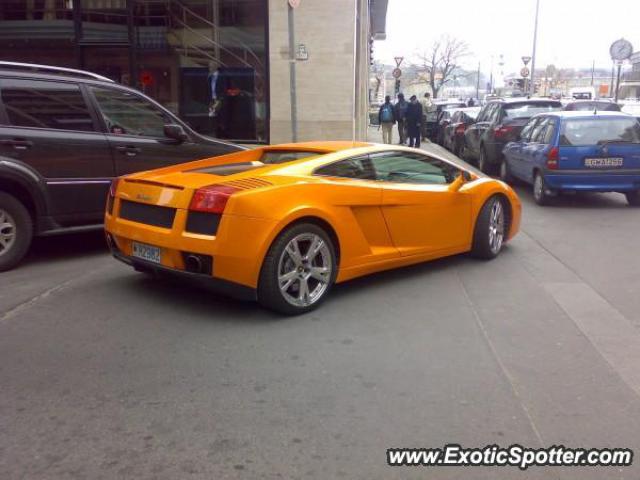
427	106
386	119
471	103
401	113
414	120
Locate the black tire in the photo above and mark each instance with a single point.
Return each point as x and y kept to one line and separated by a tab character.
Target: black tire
17	221
633	198
483	247
483	162
269	293
540	194
505	173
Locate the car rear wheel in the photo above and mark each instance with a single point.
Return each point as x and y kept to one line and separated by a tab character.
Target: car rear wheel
299	270
490	231
540	194
633	198
16	231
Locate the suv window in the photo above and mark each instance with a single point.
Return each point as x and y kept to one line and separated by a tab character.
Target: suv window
359	167
526	110
494	115
43	104
126	113
404	167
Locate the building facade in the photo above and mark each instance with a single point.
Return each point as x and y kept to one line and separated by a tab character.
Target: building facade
222	65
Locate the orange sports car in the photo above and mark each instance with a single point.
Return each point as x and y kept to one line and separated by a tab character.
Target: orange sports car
282	224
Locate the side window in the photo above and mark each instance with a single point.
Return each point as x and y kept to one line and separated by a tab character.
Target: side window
550	130
43	104
538	133
359	168
525	134
126	113
403	167
494	116
483	113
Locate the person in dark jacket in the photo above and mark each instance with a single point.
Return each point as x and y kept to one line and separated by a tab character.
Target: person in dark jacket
401	113
414	120
386	119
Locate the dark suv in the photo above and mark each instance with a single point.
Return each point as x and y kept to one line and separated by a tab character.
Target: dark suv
64	134
498	123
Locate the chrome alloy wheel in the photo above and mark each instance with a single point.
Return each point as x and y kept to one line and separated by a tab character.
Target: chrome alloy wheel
538	188
496	227
304	269
7	231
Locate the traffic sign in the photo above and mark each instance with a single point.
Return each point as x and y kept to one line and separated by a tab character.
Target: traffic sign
621	50
398	60
397	73
526	60
524	72
294	3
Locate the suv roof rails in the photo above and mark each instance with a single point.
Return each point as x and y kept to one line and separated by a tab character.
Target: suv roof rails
47	68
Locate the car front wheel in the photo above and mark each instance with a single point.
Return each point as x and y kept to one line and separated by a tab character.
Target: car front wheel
298	271
633	198
505	173
16	231
483	162
490	230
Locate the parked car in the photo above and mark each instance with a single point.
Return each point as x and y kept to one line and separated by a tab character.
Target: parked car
577	151
64	134
592	105
498	123
453	133
434	117
282	224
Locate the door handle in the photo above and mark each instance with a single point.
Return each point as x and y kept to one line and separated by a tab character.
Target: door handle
17	143
128	150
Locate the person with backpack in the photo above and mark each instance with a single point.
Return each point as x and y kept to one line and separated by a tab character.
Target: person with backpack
414	120
400	111
386	119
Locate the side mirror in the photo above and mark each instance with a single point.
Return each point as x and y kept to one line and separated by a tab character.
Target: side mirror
460	180
175	132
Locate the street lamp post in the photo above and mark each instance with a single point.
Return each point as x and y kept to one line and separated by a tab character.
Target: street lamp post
533	56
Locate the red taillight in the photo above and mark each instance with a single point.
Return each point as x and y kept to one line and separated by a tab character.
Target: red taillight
460	129
114	187
502	131
552	158
211	199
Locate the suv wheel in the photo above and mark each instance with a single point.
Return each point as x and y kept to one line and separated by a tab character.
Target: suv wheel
299	270
483	162
16	231
633	198
505	174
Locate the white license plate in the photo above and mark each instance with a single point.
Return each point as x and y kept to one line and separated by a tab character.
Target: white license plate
603	162
146	252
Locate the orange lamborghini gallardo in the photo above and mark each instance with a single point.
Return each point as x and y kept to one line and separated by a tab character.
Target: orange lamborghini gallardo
282	224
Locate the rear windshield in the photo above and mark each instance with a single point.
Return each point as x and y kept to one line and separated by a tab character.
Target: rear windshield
270	157
599	130
527	110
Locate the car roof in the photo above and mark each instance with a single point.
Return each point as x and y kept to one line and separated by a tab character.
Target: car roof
524	100
586	114
320	146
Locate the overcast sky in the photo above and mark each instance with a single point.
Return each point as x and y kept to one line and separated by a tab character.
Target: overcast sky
571	33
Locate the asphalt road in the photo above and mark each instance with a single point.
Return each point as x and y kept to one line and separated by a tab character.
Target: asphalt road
105	373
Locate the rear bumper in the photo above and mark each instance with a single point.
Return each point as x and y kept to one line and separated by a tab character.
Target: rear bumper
220	286
593	181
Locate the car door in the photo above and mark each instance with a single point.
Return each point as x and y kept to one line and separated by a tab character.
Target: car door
535	151
514	151
422	214
134	127
475	131
49	126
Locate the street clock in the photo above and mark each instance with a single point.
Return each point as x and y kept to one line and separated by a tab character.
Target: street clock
621	50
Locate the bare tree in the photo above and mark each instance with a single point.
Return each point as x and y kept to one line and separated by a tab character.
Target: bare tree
439	64
377	72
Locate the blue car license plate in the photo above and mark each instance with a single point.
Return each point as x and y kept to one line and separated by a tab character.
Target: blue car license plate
146	252
611	162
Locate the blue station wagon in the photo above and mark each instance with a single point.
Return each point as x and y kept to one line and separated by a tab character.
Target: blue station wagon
576	151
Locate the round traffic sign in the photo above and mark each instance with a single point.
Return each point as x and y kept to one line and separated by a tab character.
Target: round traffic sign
524	72
397	73
621	49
